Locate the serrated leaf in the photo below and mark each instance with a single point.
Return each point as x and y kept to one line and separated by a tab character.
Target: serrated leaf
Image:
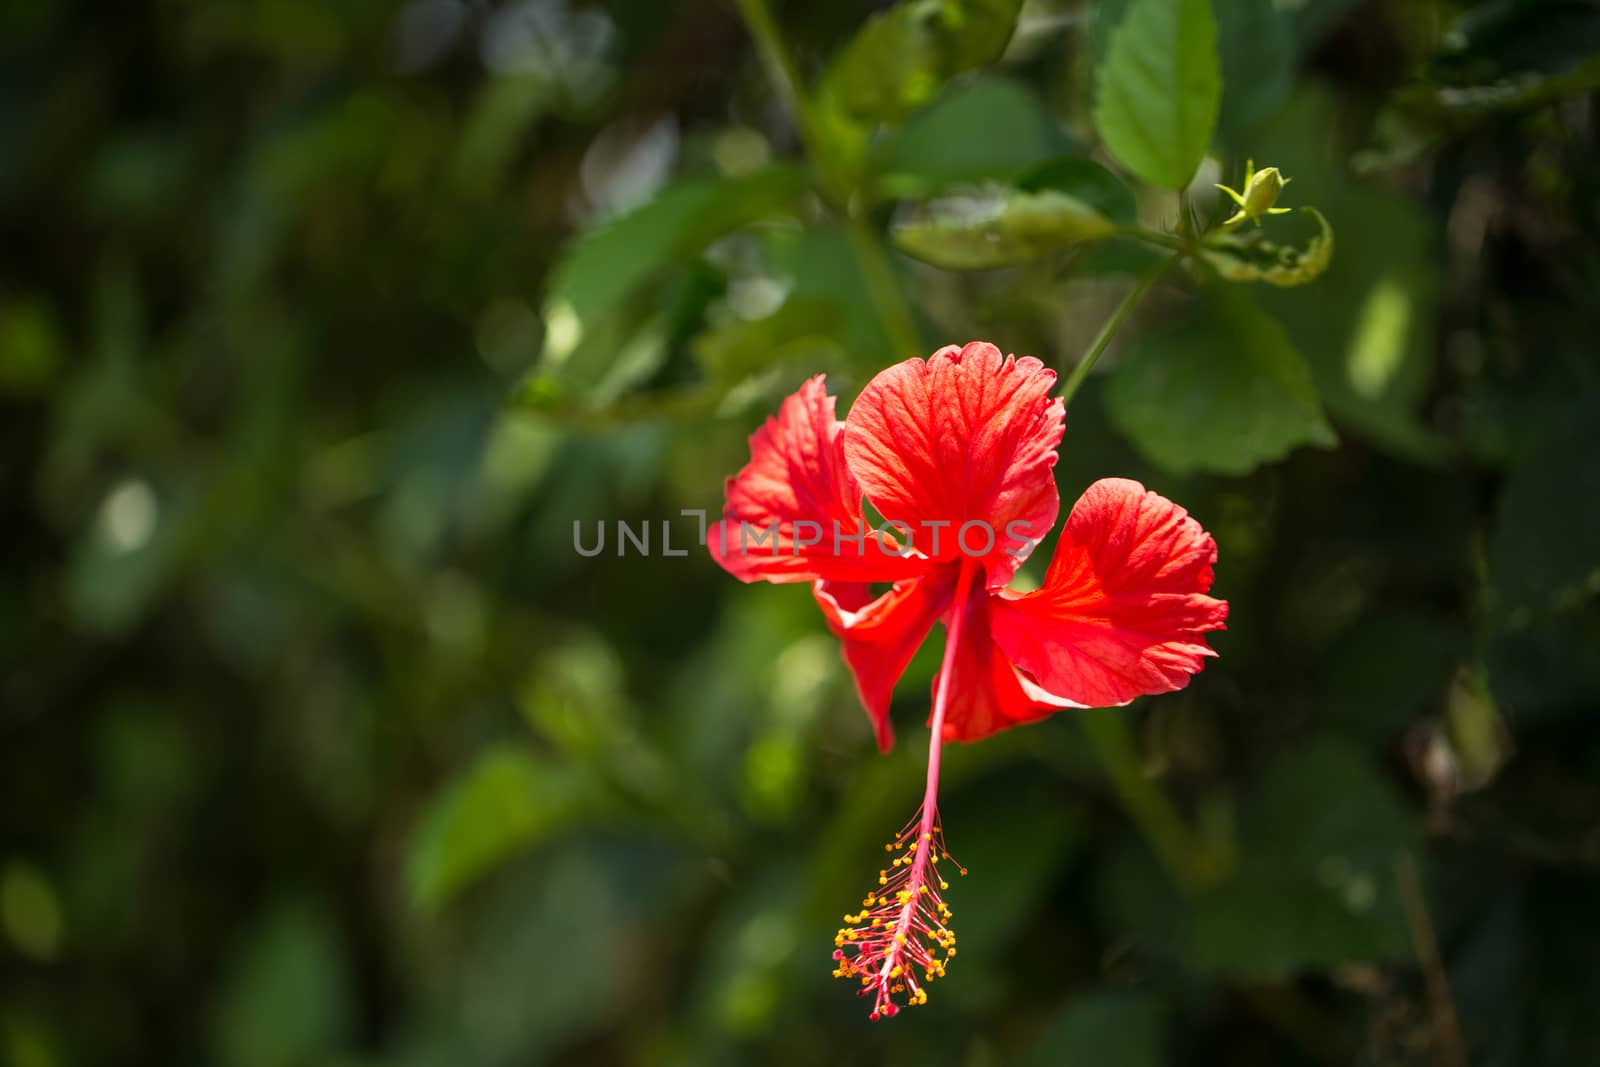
1248	255
1224	392
1158	92
999	228
505	802
897	62
1255	49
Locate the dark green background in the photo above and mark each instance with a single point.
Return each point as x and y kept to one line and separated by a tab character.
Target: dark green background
319	745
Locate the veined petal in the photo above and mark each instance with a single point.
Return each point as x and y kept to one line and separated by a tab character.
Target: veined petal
966	436
793	514
987	691
881	635
1123	611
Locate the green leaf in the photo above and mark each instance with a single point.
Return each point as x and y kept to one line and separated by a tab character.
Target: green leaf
1544	553
1315	888
989	129
1255	48
1248	255
1086	180
998	228
1224	392
798	331
606	264
288	998
1120	1029
1158	92
1255	45
897	62
507	801
1366	325
609	308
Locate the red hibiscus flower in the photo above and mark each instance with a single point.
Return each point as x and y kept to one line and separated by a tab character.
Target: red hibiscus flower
957	454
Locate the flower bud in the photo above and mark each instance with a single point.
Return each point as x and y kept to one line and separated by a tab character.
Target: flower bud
1261	189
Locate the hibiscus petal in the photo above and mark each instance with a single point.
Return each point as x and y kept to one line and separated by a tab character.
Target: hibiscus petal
967	436
793	514
987	692
881	635
1123	610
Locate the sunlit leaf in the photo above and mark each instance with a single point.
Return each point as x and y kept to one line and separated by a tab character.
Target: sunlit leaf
900	58
998	228
1224	392
608	262
1159	89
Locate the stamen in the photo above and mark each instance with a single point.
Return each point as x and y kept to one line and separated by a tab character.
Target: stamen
901	939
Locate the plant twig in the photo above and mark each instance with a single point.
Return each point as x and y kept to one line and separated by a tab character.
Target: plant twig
882	288
1441	1004
1112	325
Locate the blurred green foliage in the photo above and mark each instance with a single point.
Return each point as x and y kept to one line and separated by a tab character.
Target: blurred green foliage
321	326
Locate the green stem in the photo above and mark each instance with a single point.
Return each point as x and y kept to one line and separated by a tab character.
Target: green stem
782	70
1113	324
1185	857
887	299
1165	240
882	288
1175	847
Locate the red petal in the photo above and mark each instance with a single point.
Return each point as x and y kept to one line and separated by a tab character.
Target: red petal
880	636
967	436
785	507
987	692
1122	612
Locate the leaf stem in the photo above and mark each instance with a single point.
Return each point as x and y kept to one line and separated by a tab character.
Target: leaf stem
1113	324
1165	240
883	290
